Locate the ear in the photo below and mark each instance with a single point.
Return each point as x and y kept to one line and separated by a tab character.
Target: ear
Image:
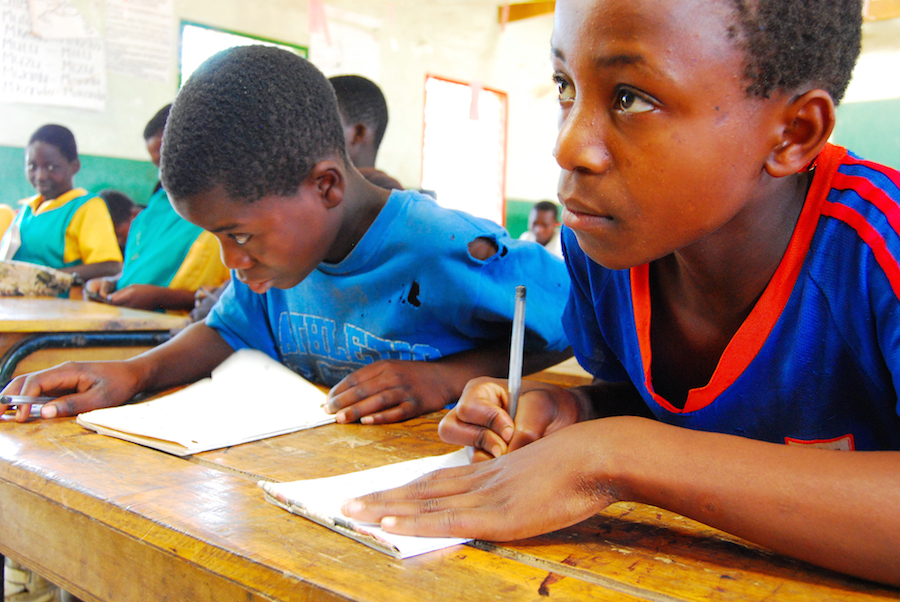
329	180
805	124
76	166
360	133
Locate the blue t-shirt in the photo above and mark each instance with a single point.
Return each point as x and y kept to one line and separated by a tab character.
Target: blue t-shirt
817	358
409	290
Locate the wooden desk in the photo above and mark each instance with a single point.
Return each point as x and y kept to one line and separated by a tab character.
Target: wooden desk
565	374
113	521
40	332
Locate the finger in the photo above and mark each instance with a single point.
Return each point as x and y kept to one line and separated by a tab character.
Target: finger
533	418
403	411
382	400
452	430
483	403
424	494
353	388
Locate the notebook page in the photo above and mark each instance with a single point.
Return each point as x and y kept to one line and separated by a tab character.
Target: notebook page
324	497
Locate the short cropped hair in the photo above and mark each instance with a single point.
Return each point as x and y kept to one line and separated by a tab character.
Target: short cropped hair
546	206
157	123
59	136
361	101
252	119
789	43
120	205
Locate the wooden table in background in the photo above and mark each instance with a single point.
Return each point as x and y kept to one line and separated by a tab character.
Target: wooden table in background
40	332
113	521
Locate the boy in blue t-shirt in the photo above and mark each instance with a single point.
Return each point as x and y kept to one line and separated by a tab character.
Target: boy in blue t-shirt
735	292
341	280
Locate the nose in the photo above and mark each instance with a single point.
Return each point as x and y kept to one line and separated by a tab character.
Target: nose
580	144
233	255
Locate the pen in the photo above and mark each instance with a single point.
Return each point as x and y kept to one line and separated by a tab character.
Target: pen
21	400
516	350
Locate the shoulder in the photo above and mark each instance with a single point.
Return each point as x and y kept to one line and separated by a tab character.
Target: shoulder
423	212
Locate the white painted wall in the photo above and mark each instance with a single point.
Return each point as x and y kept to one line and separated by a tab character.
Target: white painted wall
456	39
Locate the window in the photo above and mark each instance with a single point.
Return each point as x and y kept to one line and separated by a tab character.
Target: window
199	42
464	147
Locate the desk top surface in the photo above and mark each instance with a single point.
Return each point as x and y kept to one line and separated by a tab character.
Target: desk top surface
206	514
45	314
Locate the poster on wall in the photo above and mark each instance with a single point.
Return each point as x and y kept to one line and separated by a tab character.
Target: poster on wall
67	72
54	19
140	38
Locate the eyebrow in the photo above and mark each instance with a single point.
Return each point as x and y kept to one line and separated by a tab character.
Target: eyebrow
225	228
613	60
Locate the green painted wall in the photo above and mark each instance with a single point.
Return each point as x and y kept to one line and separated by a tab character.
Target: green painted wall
871	130
134	178
517	216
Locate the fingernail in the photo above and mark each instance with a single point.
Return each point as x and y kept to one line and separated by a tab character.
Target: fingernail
496	451
48	412
507	433
352	507
367	420
329	409
389	521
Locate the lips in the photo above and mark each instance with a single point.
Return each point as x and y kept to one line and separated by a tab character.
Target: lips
257	286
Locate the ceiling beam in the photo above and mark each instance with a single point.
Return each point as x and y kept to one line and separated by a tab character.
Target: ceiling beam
877	10
524	10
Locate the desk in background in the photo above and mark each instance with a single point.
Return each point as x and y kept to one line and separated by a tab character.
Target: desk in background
40	332
113	521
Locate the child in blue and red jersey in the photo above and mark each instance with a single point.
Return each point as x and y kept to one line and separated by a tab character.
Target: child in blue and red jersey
735	285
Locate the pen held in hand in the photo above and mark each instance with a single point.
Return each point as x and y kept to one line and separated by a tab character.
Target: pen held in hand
516	348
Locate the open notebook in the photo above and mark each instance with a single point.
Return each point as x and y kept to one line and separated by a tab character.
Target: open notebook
320	500
249	397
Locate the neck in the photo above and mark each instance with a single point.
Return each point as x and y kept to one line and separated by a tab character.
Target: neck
362	203
727	271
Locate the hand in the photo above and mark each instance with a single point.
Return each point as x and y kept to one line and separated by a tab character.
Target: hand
390	391
79	387
98	287
480	419
138	296
554	483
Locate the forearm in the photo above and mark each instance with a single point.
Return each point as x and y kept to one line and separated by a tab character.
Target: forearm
189	356
95	270
840	510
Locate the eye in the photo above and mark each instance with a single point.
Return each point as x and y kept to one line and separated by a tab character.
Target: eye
566	89
629	101
240	239
52	168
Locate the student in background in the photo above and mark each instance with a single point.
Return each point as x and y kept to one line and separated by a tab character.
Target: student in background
734	276
364	115
63	227
342	281
167	259
122	210
543	227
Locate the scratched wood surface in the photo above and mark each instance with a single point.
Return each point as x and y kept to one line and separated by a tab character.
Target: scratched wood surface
630	548
110	520
44	314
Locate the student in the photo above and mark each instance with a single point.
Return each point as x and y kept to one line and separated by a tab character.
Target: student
167	259
710	222
63	227
122	210
364	116
332	273
543	227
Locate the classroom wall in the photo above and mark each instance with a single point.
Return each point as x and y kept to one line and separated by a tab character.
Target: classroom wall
455	39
